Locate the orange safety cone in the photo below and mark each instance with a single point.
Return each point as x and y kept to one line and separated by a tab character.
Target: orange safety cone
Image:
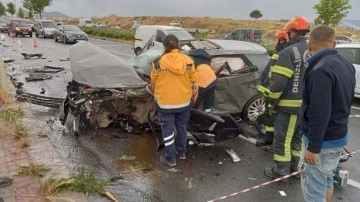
35	43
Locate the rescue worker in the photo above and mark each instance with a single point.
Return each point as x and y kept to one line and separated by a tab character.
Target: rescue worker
285	87
206	79
268	119
172	76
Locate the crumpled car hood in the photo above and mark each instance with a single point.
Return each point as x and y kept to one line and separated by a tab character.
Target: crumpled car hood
96	67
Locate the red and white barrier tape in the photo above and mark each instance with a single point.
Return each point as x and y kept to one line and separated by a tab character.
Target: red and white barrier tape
351	153
257	186
267	183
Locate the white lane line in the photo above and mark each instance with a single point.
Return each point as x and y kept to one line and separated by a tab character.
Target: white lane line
109	45
354	183
249	139
354	116
355	107
121	54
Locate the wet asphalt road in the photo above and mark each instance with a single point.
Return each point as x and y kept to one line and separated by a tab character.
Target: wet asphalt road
131	160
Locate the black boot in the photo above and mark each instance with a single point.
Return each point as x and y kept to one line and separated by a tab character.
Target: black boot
264	140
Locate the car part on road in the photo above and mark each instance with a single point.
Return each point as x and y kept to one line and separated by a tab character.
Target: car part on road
31	55
38	99
49	69
37	77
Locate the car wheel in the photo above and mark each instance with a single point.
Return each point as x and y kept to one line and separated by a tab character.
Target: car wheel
254	108
64	40
30	35
44	35
55	38
138	51
36	34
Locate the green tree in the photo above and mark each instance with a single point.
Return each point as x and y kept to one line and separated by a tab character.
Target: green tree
21	13
256	14
2	9
11	8
37	6
30	14
331	12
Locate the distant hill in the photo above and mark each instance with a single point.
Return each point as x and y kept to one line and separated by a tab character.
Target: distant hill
53	14
354	24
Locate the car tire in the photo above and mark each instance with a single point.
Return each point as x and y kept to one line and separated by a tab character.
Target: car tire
137	51
254	108
55	38
44	35
36	34
64	40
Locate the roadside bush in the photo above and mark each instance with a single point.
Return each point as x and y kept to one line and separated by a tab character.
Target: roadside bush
109	33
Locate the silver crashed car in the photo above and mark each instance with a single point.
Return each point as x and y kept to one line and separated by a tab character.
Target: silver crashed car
108	90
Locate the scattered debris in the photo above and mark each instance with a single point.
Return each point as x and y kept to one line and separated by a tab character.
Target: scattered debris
250	178
116	178
52	102
220	163
7	60
233	155
282	193
127	158
189	181
174	170
42	90
37	77
66	59
49	69
31	55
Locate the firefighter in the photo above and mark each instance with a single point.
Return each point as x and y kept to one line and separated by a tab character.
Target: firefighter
206	79
268	119
285	87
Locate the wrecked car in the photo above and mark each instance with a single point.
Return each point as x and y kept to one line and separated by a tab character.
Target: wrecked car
108	90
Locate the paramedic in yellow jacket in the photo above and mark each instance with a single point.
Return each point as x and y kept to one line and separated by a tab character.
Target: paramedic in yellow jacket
172	75
206	79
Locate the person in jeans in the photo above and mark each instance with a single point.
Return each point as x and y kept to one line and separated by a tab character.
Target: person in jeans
327	97
172	75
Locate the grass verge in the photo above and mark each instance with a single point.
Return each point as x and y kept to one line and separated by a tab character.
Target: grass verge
84	181
33	170
13	125
109	33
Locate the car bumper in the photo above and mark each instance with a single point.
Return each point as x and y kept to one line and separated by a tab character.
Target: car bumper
76	39
23	32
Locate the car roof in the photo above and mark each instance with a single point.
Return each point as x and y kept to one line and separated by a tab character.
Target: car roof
348	45
235	46
161	27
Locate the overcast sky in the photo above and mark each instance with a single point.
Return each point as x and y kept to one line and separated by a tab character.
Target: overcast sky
236	9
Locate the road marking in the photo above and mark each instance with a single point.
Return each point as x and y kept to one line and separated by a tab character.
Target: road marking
109	45
121	54
354	116
355	107
249	139
354	183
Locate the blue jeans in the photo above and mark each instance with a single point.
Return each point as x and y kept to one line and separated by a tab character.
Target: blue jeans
317	179
174	143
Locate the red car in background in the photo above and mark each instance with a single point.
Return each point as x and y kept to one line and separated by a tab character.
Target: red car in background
19	27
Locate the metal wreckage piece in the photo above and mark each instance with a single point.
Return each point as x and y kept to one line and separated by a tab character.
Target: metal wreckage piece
38	99
32	55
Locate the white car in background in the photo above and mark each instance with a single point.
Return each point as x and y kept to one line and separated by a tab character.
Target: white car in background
351	51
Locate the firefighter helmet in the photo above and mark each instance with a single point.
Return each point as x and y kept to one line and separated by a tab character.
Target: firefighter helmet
281	34
298	23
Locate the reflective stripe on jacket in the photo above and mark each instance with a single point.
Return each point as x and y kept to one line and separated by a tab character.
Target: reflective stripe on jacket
286	78
205	75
